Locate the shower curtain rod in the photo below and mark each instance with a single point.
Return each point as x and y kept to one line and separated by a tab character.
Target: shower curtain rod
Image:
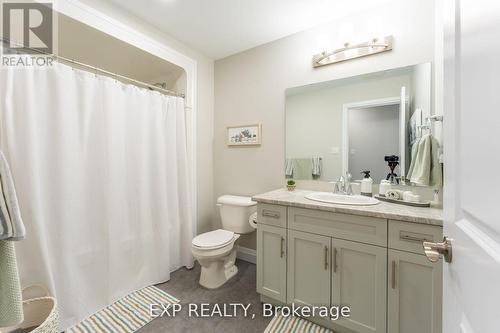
97	69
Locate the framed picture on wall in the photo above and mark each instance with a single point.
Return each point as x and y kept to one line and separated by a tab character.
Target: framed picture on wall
247	135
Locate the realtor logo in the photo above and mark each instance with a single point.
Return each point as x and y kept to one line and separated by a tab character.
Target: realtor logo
27	27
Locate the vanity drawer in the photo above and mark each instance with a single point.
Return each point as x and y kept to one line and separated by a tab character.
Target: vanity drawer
407	236
363	229
274	215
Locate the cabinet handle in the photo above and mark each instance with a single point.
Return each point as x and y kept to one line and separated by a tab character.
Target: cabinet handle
414	239
269	213
334	259
393	275
326	258
282	248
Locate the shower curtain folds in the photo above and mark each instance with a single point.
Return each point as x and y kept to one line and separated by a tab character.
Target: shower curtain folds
101	170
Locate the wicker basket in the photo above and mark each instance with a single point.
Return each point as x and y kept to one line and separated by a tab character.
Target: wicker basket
40	313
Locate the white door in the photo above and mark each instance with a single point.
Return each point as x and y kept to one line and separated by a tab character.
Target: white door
403	120
472	158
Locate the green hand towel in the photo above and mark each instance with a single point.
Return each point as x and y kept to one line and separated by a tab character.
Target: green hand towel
425	168
11	303
414	151
436	174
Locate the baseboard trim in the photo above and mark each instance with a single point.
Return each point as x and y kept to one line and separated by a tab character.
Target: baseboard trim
246	254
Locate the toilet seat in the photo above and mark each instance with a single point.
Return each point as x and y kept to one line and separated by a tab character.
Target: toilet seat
213	239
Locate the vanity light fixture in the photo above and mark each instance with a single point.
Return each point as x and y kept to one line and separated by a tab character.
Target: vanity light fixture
348	52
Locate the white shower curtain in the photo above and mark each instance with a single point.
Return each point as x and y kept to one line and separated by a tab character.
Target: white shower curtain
102	177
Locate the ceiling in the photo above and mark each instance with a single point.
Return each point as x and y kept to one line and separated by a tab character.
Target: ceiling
220	28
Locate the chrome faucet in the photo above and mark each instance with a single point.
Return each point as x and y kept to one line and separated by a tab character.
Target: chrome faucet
343	185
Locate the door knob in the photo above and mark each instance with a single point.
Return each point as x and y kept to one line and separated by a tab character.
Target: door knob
433	251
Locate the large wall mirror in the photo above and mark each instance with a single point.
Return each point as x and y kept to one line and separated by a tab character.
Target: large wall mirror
366	122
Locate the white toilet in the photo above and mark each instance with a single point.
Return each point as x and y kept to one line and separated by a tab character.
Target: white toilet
215	250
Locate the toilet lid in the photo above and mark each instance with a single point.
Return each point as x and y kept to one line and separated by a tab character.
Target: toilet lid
236	200
213	239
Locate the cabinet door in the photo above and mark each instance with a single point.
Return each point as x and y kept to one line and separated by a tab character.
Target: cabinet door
271	262
308	269
359	278
415	293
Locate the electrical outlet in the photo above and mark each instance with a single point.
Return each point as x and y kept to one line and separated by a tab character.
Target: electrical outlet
334	150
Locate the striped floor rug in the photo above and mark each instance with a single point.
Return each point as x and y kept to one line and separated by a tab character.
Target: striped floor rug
281	324
126	315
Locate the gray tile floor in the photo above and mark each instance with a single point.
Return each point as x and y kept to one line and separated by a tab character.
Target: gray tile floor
184	285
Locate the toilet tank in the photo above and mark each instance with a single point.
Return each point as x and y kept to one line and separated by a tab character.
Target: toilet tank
235	211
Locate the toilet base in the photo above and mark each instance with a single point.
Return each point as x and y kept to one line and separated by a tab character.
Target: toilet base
231	271
214	273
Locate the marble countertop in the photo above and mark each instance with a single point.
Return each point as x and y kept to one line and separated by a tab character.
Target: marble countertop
433	216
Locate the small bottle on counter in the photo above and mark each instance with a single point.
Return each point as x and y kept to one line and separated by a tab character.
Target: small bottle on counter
436	200
367	184
384	186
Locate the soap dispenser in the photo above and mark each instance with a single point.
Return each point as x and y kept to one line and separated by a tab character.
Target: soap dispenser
366	184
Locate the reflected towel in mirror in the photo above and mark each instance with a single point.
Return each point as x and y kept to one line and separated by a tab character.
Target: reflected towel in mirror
303	168
316	167
289	168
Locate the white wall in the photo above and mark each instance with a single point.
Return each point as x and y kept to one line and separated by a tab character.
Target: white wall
421	92
205	105
250	86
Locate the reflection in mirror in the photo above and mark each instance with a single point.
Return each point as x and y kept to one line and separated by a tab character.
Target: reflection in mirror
373	132
366	122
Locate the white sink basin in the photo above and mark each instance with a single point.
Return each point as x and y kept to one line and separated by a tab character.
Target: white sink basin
356	200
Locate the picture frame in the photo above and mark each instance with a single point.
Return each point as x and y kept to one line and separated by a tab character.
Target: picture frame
244	135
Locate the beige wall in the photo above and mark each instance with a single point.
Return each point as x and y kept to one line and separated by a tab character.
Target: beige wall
250	86
205	107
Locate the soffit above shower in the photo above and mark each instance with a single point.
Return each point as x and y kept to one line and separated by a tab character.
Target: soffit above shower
80	42
220	28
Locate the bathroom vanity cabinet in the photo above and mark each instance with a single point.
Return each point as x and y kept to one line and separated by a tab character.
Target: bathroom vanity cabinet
271	261
375	265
